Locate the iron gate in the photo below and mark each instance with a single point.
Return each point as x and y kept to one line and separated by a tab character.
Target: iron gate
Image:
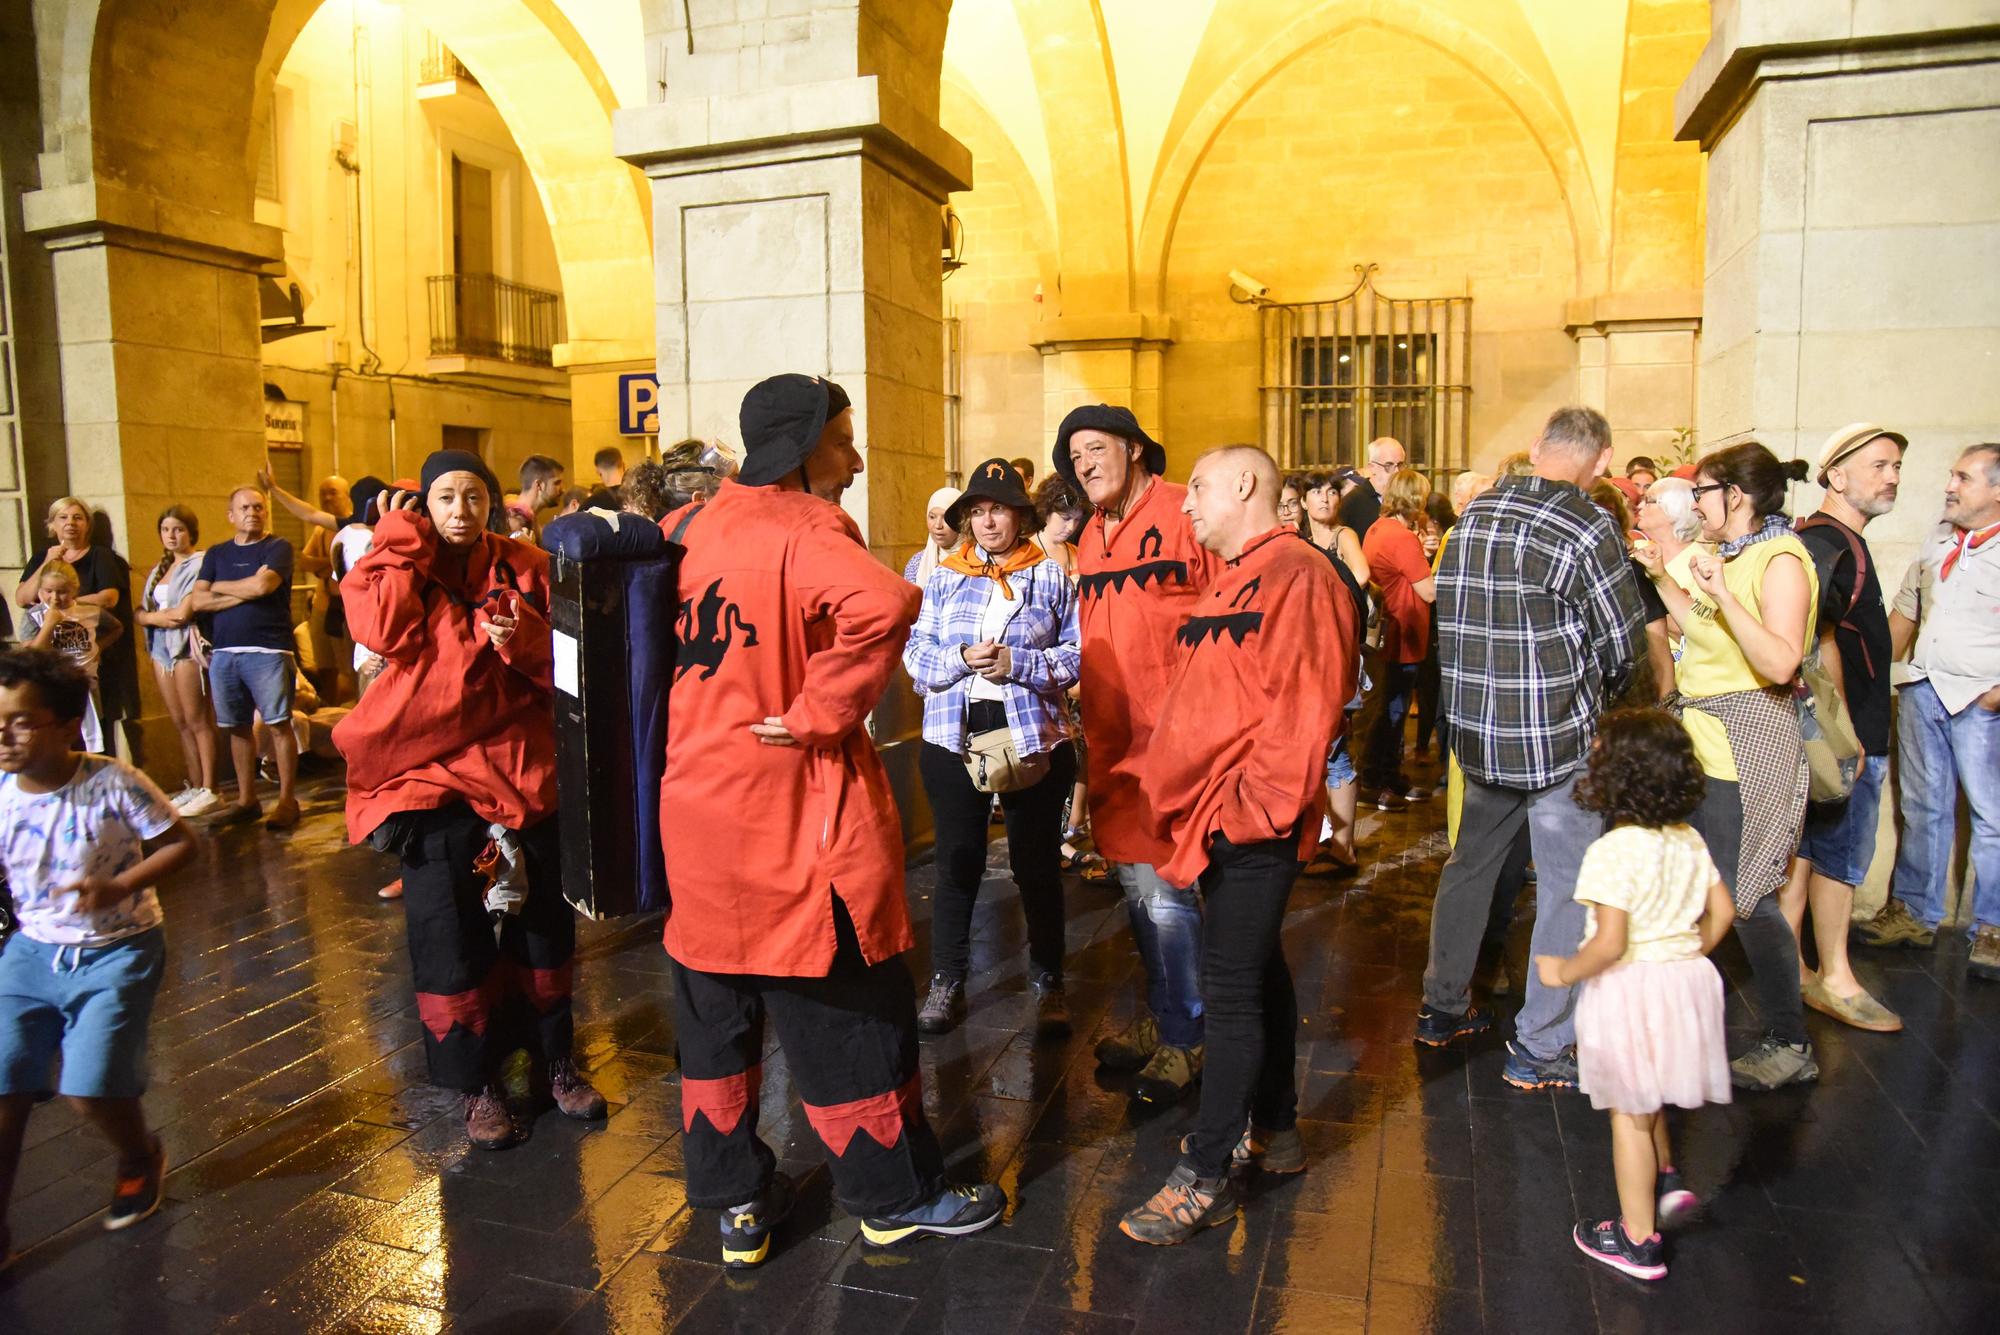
1337	374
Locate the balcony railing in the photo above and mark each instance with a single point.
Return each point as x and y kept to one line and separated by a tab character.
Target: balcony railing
479	315
440	65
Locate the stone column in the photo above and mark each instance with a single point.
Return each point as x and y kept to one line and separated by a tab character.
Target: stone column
1853	219
798	229
162	384
1115	359
1635	363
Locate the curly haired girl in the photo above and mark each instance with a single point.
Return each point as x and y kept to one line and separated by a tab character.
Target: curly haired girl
1649	1024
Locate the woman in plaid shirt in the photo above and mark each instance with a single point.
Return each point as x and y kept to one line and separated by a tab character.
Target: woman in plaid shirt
995	647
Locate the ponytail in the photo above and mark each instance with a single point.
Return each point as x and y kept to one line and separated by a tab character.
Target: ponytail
1760	475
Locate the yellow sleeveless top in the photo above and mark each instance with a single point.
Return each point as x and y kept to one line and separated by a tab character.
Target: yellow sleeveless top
1712	663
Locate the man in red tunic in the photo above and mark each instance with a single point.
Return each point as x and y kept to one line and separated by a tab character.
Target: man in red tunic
783	847
1237	767
1139	572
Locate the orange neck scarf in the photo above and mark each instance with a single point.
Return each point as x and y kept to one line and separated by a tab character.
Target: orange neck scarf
969	560
1969	540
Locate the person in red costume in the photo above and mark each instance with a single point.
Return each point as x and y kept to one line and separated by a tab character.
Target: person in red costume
1139	572
451	760
1237	767
783	847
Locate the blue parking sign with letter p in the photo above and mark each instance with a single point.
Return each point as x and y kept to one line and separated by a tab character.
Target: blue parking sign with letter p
638	404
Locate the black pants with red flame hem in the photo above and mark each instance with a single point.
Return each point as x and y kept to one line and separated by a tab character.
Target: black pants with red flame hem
480	999
850	1041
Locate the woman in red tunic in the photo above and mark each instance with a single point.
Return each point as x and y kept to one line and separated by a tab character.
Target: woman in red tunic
451	766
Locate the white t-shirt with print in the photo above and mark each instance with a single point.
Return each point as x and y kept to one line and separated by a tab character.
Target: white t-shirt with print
94	825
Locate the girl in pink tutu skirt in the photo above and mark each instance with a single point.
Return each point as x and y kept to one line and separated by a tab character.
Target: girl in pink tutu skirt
1649	1020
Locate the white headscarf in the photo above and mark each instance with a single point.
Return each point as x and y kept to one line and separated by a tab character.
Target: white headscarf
941	499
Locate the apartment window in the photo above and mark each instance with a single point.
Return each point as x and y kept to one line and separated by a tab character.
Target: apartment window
1337	374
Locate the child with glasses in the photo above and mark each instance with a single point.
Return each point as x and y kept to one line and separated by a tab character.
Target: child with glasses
78	978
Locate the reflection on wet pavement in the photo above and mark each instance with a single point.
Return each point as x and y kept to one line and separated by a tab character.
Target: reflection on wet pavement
320	1185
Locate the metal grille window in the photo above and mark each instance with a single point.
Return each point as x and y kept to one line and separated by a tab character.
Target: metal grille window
1337	374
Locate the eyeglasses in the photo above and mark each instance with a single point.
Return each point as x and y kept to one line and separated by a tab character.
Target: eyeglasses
1697	492
19	730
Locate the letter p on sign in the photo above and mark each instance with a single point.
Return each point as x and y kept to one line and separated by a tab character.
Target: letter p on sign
638	404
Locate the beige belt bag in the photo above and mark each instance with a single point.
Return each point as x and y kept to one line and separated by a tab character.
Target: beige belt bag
995	767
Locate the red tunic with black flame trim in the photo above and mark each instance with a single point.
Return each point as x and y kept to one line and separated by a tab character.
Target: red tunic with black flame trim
784	613
451	718
1135	585
1265	666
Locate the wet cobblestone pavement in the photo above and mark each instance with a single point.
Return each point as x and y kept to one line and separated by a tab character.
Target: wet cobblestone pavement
319	1185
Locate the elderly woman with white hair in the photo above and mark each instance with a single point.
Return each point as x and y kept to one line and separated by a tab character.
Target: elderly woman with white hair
1666	519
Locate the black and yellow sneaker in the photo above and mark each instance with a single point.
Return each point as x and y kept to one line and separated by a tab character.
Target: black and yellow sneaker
139	1194
952	1213
1182	1208
747	1228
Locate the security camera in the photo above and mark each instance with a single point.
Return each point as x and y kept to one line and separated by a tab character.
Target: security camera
1251	288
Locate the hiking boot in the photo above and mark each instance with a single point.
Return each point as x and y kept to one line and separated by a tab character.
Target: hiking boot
1676	1204
284	815
1051	1008
1132	1049
1182	1208
1985	959
944	1005
1280	1152
1388	799
1773	1064
1895	926
1860	1010
1436	1028
1169	1074
573	1095
1525	1071
1608	1242
488	1124
952	1213
747	1228
139	1196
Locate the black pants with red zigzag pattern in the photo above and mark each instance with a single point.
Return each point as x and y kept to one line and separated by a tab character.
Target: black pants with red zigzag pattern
850	1043
480	999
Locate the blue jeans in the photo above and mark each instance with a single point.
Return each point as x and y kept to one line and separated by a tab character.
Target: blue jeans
1839	837
1939	754
1559	831
1166	924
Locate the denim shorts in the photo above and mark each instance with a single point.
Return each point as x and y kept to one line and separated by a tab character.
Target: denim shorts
1340	765
242	681
1839	837
90	1005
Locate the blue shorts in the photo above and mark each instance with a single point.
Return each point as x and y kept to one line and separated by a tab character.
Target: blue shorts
90	1005
242	682
1839	837
1340	765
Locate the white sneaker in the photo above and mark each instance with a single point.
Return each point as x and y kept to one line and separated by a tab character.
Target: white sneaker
201	800
180	798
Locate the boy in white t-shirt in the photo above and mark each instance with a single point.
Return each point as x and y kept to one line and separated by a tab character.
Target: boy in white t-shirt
78	976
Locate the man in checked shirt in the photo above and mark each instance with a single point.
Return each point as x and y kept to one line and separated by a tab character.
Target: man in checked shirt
1539	622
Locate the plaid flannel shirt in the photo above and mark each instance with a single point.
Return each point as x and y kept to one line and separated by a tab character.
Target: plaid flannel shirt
1539	622
1042	635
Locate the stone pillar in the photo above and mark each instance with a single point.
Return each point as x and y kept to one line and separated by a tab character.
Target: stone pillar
162	385
799	176
797	229
1635	363
1117	359
1853	216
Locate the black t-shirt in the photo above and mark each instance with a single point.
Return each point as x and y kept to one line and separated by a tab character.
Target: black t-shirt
1649	597
1864	638
1360	508
260	623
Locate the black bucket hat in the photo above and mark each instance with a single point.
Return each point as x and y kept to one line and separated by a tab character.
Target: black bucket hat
1115	421
781	419
994	480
